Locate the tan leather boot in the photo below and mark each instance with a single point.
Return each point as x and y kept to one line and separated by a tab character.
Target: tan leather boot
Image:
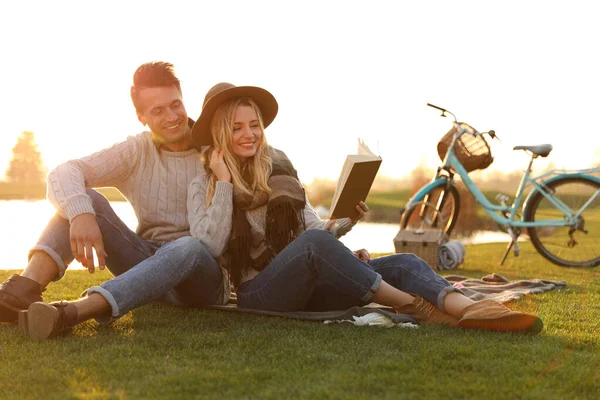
45	320
427	313
495	316
17	293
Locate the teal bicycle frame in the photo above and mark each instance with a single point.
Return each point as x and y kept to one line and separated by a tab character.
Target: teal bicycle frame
503	214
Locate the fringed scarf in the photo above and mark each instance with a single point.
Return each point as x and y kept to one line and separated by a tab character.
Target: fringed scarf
285	216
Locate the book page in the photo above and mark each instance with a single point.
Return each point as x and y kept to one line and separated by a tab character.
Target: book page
342	180
363	149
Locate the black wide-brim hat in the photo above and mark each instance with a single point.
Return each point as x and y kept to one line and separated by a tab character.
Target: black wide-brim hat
222	92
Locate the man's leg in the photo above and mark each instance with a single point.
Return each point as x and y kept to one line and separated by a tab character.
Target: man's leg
183	269
49	258
123	246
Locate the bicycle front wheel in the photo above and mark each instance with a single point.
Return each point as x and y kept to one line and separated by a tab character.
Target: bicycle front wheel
569	246
438	210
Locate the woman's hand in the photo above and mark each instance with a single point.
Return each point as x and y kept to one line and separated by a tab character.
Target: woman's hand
362	210
363	255
218	166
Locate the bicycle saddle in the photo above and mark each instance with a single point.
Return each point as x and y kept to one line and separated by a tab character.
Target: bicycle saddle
539	150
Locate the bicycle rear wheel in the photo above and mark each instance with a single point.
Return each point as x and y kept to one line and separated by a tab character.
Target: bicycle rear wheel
579	249
438	210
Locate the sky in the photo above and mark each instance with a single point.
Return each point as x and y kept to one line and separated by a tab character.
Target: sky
340	70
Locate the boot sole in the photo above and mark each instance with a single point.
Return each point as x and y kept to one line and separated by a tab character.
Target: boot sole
509	323
8	313
23	322
42	319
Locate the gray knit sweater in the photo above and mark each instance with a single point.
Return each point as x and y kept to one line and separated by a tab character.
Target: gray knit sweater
154	181
212	225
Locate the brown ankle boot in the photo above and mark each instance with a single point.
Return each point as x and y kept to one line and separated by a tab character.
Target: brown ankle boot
495	316
49	320
427	313
17	293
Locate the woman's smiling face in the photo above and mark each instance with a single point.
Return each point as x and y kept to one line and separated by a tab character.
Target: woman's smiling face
247	133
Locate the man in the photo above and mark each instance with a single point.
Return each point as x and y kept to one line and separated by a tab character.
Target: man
160	261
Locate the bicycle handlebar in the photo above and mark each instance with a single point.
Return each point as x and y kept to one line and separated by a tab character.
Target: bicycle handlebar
461	125
439	108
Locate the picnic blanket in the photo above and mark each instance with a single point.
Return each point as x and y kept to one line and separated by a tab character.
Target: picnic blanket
350	314
497	287
493	286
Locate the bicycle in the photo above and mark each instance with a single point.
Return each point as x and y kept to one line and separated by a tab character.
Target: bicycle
561	212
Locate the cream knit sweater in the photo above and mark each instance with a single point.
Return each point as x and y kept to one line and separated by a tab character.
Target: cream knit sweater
154	181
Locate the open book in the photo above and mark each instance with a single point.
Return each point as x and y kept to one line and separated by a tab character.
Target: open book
355	182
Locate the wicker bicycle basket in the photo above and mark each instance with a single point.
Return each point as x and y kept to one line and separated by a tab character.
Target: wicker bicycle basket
473	152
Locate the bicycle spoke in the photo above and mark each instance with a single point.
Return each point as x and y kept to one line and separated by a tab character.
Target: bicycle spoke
556	243
428	214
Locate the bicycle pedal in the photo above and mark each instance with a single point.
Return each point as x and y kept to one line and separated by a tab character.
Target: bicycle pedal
517	250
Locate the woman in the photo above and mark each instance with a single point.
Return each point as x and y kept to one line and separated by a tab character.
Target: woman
250	211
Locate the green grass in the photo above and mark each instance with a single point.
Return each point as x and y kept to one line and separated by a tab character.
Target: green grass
391	199
377	200
159	351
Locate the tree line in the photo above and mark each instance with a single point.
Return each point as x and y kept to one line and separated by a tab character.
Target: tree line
26	165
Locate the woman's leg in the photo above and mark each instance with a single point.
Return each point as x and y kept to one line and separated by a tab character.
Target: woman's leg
404	272
287	283
411	274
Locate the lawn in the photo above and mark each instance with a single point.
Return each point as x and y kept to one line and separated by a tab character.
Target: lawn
160	351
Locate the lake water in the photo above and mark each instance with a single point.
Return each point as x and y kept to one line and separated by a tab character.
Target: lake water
23	222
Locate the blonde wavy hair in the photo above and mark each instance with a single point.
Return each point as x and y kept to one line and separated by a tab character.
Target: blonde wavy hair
259	166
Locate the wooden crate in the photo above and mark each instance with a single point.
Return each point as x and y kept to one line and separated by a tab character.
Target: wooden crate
424	243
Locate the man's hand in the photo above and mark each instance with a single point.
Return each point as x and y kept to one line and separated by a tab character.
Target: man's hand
361	209
85	236
363	255
218	166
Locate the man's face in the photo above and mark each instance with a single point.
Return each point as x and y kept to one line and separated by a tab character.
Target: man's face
162	109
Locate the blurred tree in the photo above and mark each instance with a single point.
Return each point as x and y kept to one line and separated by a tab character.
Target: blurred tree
26	165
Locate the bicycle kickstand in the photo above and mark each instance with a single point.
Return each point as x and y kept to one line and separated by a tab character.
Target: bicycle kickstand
510	245
513	242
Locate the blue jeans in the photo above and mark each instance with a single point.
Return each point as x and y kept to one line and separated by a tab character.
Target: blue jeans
180	272
316	272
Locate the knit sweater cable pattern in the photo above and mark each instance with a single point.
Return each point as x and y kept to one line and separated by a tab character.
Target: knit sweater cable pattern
154	181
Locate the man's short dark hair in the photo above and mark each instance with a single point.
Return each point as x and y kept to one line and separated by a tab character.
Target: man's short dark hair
152	74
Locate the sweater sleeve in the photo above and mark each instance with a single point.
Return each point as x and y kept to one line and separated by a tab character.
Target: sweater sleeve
210	225
67	183
313	221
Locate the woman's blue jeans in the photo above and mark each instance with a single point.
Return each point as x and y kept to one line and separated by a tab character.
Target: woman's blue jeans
316	272
180	272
